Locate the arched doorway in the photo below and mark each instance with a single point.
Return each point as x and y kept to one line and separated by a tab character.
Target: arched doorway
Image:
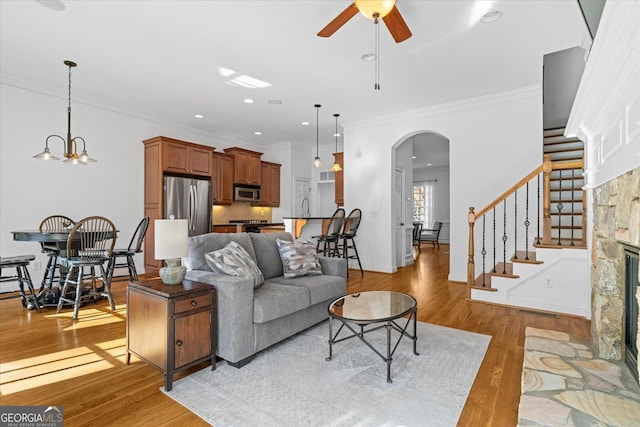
420	159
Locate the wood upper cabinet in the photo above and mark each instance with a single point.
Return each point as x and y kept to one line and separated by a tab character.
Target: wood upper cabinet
339	182
162	154
270	187
222	179
184	157
246	166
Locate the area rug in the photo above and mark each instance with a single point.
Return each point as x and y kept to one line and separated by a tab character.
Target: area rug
291	383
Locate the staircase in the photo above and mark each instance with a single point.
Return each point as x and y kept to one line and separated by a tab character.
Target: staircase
532	237
566	197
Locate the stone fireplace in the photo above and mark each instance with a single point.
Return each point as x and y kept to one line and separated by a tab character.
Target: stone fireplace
616	226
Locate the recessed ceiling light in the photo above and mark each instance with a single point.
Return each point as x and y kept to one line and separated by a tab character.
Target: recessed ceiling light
274	102
248	101
336	135
305	123
52	4
428	164
413	157
198	116
257	132
368	57
490	17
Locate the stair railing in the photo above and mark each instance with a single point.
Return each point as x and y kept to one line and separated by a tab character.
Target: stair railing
504	212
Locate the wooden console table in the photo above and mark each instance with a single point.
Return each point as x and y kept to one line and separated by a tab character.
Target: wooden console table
171	327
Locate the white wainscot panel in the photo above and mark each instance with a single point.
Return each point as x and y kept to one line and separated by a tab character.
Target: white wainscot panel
632	121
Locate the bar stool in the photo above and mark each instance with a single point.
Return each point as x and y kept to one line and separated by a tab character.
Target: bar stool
22	276
327	243
348	235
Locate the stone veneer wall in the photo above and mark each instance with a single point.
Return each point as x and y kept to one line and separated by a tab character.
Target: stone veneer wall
616	220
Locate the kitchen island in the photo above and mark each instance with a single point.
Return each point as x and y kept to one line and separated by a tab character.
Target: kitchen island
304	228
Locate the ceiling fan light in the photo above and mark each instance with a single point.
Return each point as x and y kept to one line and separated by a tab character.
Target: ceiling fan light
374	9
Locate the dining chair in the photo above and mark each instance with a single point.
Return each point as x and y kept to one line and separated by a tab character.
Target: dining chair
89	245
417	232
52	223
135	247
22	276
432	234
348	236
327	242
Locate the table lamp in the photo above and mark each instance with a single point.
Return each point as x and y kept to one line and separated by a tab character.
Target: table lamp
171	245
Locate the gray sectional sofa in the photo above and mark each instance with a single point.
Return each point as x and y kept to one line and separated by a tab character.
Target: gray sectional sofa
250	320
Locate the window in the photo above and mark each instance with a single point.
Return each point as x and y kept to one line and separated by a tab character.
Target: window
423	202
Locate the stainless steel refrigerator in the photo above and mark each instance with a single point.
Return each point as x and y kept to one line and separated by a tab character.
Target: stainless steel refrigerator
188	198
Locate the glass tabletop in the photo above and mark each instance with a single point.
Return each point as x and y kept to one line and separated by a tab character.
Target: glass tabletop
372	306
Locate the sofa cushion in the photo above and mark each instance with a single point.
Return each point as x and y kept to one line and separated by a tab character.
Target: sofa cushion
273	300
267	254
234	260
320	288
298	259
206	243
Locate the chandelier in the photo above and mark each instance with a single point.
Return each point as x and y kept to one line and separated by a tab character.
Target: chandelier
70	149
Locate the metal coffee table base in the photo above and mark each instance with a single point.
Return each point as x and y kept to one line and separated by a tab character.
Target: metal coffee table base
388	325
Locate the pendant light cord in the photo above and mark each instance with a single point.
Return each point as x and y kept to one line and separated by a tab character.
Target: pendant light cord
376	85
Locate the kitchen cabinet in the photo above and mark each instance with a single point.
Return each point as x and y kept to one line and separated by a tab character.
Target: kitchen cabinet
222	179
270	187
171	327
339	180
246	165
162	154
232	228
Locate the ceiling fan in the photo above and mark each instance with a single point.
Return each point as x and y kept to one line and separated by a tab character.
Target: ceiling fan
372	9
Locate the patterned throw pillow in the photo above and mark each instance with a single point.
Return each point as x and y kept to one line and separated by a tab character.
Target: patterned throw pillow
298	259
234	260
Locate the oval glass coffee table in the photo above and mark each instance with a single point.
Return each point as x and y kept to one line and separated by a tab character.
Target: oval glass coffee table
366	312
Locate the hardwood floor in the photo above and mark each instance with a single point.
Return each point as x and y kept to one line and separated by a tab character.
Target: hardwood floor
47	359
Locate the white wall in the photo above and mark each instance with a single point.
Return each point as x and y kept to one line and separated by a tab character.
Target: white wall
32	189
494	141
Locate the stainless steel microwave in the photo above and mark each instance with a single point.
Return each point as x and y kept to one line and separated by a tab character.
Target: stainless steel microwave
246	193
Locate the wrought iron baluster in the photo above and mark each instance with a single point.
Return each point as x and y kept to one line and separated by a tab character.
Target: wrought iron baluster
515	225
559	205
538	237
526	225
504	237
484	252
573	184
494	239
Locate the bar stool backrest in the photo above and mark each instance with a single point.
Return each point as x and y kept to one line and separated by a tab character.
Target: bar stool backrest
335	225
352	223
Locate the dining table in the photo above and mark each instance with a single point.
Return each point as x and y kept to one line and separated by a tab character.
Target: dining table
48	295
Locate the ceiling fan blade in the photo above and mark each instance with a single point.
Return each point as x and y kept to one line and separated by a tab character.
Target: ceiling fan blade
339	21
396	25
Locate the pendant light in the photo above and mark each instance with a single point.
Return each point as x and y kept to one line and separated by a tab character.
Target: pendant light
70	149
316	161
336	167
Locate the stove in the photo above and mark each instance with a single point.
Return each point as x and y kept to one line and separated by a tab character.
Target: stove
250	225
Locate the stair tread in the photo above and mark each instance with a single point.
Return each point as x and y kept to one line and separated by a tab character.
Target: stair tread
487	281
566	243
553	131
504	270
522	258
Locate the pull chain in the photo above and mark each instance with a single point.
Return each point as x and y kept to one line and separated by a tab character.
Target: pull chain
376	85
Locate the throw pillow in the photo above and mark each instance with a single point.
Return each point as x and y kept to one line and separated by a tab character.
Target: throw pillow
234	260
298	259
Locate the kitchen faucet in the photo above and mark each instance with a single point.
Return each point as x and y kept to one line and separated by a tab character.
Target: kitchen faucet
305	213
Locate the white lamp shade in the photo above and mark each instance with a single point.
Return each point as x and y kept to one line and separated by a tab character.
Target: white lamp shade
171	236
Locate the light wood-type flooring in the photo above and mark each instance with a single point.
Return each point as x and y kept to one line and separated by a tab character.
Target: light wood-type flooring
48	359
